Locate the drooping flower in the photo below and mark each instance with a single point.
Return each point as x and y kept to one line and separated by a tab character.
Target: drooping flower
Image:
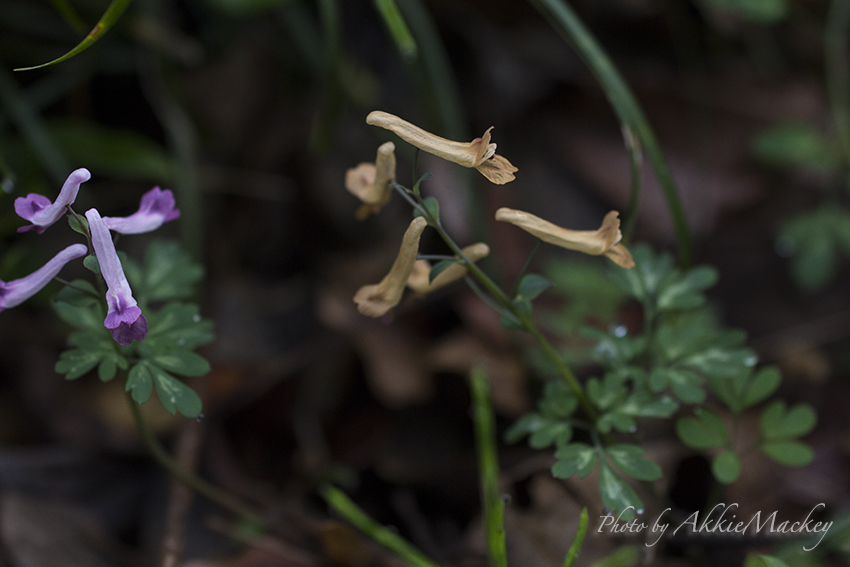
156	208
605	240
124	318
377	299
41	212
479	153
370	182
418	280
16	292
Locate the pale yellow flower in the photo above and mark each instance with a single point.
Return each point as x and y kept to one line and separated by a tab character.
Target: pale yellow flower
605	241
377	299
479	153
418	280
370	182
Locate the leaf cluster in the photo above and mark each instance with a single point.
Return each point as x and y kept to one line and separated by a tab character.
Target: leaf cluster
175	330
680	355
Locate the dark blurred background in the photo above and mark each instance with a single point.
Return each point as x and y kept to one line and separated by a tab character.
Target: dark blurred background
252	110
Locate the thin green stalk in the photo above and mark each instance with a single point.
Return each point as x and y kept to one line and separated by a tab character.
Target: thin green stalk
572	553
570	27
214	493
636	165
398	29
837	61
384	536
525	320
488	468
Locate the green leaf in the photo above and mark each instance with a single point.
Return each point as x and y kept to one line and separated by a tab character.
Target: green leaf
726	467
78	224
615	420
169	273
765	382
83	313
686	384
703	431
617	495
607	393
685	292
176	325
789	453
530	286
182	361
814	239
644	404
433	208
525	425
794	145
552	433
76	362
440	267
572	458
778	423
642	281
174	394
107	368
557	401
139	383
113	12
91	264
628	459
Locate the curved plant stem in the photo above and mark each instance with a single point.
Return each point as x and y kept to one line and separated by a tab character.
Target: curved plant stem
214	493
344	506
502	299
570	27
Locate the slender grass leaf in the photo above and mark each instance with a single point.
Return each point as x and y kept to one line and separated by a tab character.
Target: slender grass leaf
113	12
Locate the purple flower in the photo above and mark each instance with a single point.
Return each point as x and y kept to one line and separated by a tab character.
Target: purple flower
41	212
17	291
124	318
156	208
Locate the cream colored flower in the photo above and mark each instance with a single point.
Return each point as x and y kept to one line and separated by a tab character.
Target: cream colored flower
370	182
418	280
377	299
605	241
479	153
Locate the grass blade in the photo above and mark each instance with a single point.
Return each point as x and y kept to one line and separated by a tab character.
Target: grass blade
569	26
488	465
113	12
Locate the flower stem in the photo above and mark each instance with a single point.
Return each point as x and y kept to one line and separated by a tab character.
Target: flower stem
488	468
524	318
214	493
346	508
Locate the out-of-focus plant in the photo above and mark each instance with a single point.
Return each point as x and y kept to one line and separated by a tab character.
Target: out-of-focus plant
817	239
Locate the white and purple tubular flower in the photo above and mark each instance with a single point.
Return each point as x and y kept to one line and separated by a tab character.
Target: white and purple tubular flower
41	212
15	292
124	318
156	208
